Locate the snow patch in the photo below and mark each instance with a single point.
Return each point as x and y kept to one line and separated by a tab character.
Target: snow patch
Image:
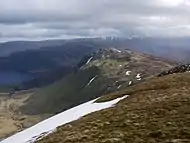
89	60
116	50
48	126
91	81
128	73
138	76
119	87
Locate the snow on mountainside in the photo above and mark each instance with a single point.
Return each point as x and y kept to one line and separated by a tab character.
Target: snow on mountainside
157	111
99	73
102	72
125	65
48	126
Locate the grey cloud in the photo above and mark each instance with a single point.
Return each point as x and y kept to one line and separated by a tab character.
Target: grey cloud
90	18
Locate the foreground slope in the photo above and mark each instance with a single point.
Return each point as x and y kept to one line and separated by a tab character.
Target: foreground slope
11	119
102	72
156	110
48	126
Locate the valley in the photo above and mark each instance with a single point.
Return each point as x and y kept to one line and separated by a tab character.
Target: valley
11	118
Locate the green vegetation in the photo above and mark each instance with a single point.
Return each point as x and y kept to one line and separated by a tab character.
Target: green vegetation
157	111
72	90
109	69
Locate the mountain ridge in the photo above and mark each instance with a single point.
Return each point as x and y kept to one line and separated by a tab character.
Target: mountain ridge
103	71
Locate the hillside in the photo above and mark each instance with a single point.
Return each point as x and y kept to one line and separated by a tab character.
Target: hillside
156	110
49	125
40	67
8	48
99	73
46	58
102	72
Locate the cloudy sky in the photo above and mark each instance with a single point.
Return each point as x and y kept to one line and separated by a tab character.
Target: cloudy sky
45	19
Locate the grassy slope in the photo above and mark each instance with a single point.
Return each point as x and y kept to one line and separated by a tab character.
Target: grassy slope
68	92
111	71
157	111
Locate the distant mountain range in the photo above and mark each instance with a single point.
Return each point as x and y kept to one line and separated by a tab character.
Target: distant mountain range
41	63
39	59
7	48
173	48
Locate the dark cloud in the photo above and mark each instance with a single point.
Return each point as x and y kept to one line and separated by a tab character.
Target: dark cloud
40	19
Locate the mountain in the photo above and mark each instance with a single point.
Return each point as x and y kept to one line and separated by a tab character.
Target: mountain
155	110
47	58
68	81
176	49
39	59
104	71
155	46
40	63
8	48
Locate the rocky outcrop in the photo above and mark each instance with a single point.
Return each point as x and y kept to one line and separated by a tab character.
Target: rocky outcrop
178	69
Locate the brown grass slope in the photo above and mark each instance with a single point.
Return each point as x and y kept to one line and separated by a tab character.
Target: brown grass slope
157	111
11	119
